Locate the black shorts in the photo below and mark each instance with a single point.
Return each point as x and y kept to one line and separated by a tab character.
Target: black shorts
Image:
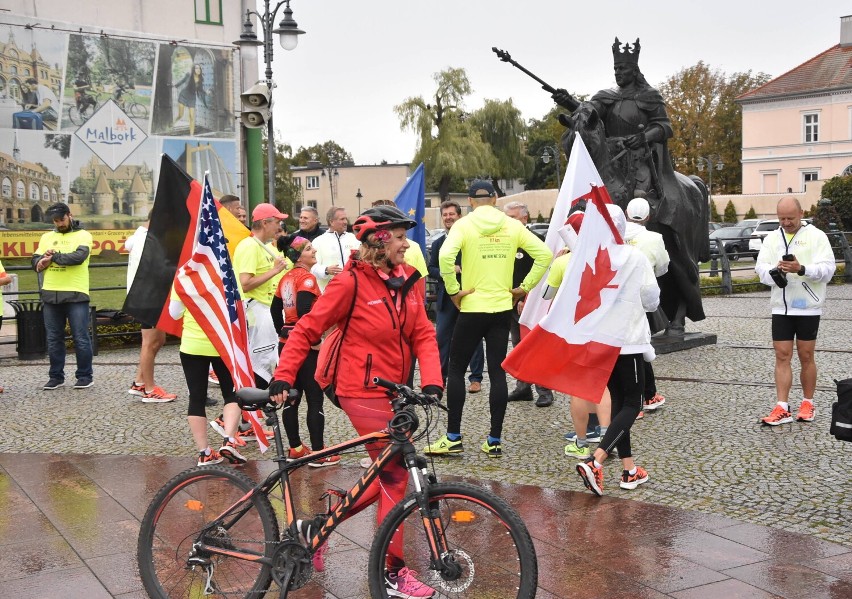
786	328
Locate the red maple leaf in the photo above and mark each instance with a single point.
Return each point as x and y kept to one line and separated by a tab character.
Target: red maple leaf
592	283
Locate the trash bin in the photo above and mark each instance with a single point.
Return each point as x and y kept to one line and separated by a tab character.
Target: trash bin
32	338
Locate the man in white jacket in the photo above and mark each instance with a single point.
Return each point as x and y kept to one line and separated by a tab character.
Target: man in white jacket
333	247
797	262
652	246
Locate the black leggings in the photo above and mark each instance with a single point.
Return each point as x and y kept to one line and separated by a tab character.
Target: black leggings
471	329
650	382
307	384
196	370
625	385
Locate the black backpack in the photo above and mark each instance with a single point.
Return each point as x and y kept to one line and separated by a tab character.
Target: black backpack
841	411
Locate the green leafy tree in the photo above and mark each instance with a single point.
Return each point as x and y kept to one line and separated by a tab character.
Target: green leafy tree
546	133
714	213
503	128
706	120
826	217
329	152
730	213
751	213
287	193
449	146
839	191
60	143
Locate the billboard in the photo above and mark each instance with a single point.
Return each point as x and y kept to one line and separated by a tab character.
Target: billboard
84	117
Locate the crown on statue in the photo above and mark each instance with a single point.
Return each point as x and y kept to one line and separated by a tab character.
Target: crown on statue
628	55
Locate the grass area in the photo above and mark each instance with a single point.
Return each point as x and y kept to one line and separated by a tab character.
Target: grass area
108	284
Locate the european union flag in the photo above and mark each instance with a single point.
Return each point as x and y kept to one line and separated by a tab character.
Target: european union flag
411	199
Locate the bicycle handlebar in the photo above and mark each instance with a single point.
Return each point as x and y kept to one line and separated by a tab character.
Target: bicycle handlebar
408	395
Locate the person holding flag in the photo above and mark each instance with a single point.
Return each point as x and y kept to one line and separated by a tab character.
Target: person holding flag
632	277
206	295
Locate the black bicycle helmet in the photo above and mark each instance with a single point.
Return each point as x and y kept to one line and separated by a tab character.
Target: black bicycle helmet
380	217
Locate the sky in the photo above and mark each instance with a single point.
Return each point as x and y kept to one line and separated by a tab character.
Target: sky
358	59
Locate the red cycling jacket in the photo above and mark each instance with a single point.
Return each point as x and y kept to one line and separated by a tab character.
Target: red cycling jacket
379	341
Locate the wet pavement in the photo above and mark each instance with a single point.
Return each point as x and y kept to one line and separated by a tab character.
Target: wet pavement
732	509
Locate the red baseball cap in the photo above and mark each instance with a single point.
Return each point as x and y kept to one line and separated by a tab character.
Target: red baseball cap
266	210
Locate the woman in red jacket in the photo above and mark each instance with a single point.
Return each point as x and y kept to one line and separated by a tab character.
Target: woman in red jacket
386	325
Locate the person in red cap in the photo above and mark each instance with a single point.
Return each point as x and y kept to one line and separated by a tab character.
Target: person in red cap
256	263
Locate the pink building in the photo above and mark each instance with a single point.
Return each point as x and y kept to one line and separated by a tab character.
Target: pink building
797	128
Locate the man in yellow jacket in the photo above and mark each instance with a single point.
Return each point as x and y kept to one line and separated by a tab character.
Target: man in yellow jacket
62	258
488	241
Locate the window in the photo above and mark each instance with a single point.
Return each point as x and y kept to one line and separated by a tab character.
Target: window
807	177
510	184
312	182
45	194
297	207
7	188
297	181
312	203
208	11
20	190
34	191
811	123
846	172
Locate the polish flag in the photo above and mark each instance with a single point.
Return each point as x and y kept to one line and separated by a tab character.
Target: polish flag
580	176
574	347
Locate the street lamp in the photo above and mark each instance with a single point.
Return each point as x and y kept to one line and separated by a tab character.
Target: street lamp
713	161
332	173
288	36
358	196
552	152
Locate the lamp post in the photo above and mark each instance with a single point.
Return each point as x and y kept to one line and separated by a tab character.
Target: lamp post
288	35
552	152
358	196
330	170
713	161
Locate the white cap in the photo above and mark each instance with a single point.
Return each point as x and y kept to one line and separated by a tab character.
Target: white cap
638	209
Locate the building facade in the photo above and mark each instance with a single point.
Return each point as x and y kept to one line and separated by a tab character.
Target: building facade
797	128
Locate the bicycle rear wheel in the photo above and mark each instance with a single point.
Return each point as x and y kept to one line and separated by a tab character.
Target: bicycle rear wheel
80	116
174	521
490	552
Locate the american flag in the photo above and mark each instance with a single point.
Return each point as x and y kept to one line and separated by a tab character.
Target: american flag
208	289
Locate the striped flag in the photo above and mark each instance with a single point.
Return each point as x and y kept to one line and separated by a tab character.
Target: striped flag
208	288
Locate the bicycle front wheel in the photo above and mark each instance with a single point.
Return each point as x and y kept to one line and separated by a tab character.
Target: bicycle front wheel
489	552
181	511
139	111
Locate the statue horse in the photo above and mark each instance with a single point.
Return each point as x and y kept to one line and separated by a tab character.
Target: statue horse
679	209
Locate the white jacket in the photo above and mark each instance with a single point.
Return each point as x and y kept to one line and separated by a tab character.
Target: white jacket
649	243
804	295
332	250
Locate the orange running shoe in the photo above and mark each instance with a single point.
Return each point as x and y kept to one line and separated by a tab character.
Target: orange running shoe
655	402
592	477
331	460
294	453
631	481
778	416
806	412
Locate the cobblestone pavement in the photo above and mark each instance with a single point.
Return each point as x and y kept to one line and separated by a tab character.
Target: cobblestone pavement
705	450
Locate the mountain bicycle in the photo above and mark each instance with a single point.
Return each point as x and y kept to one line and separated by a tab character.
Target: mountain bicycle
90	101
212	531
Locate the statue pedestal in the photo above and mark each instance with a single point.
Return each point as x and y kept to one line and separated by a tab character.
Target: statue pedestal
666	344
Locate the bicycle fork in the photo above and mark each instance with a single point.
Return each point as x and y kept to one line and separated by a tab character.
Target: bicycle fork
441	559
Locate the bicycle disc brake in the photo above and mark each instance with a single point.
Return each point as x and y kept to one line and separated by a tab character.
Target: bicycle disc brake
460	572
291	565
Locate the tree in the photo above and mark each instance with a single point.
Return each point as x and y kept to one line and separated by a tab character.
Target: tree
503	128
287	193
448	145
839	191
714	213
707	121
751	213
730	213
329	152
546	133
826	217
60	143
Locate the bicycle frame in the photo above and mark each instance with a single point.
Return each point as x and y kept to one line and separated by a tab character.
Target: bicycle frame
392	449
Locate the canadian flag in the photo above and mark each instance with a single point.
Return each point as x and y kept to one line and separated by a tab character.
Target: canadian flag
580	176
574	347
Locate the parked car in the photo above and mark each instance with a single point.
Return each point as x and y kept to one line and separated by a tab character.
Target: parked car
762	229
749	222
539	229
713	226
431	236
735	240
